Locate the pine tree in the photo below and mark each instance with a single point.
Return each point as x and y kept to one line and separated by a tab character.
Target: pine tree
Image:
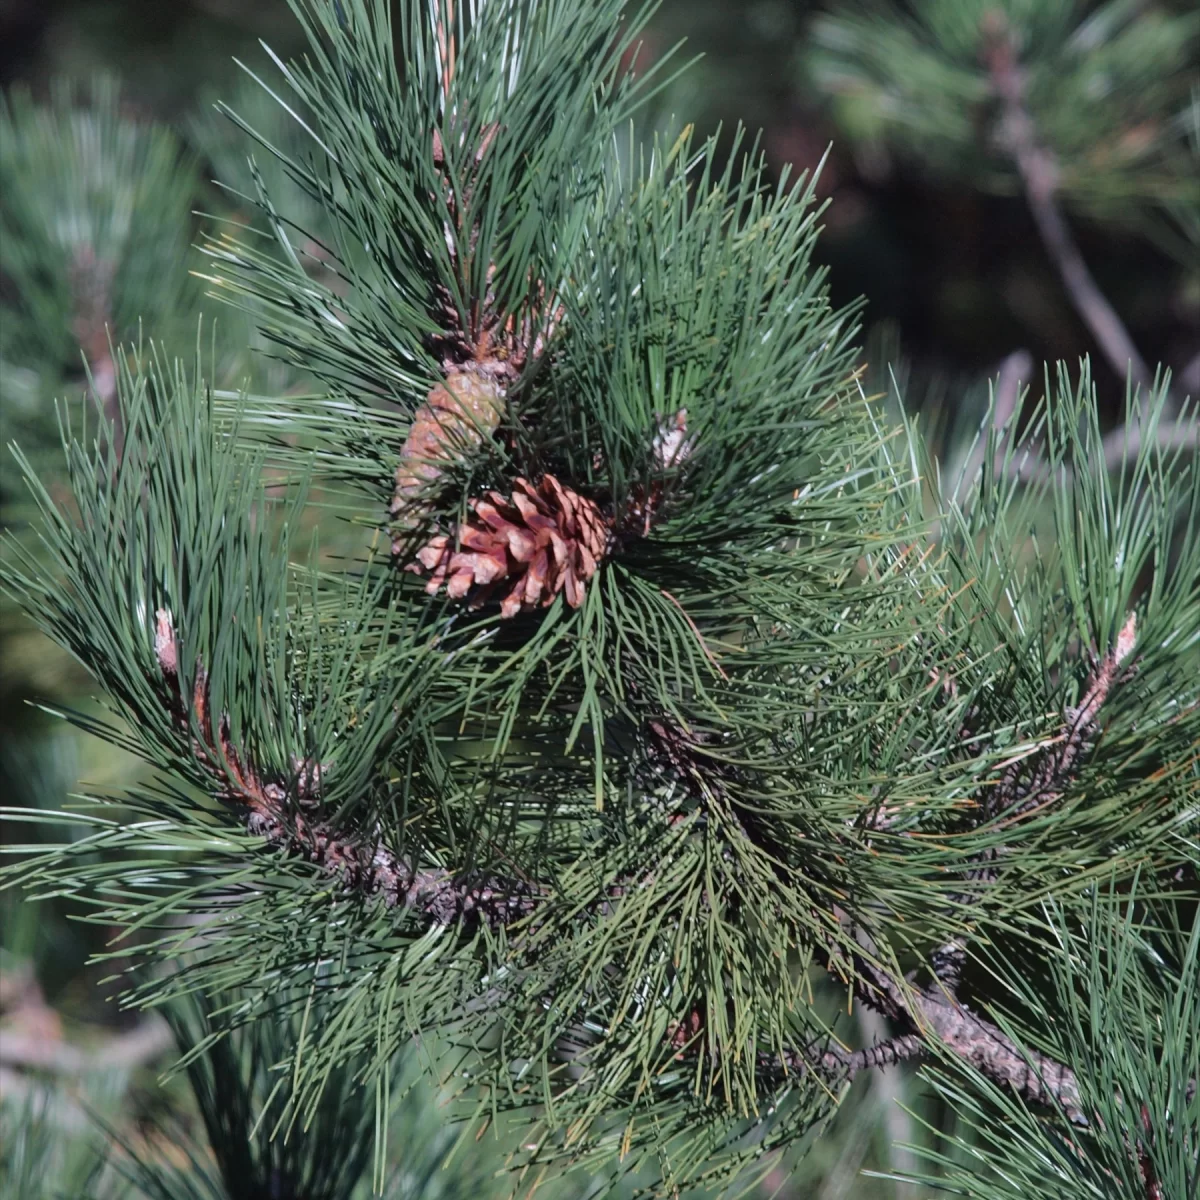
660	704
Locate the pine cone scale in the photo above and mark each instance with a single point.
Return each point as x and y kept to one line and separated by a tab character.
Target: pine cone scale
574	589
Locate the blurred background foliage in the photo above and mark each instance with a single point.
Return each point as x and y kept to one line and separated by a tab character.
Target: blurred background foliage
109	141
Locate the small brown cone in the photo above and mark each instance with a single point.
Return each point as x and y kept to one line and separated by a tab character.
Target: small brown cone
456	416
540	541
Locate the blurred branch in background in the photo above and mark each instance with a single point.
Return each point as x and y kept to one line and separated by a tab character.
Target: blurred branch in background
95	229
1080	102
1075	104
1039	177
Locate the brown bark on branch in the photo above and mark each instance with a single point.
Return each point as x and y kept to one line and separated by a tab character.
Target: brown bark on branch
285	812
886	1053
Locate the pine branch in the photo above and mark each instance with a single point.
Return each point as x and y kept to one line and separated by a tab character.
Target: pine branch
934	1012
1014	798
364	867
936	1007
1039	177
283	810
1121	445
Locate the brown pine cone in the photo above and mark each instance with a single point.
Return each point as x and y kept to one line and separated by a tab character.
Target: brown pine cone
541	541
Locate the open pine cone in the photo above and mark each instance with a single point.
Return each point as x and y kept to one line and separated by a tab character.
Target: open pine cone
543	540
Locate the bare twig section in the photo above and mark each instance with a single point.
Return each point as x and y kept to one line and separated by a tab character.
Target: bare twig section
285	812
32	1049
52	1104
39	1068
1014	371
880	1054
1039	177
834	1062
947	963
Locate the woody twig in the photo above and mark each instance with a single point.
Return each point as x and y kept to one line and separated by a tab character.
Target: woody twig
285	810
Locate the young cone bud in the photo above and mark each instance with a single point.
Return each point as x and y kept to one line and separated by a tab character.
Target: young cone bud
456	416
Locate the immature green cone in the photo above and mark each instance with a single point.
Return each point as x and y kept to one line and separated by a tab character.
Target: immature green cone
456	416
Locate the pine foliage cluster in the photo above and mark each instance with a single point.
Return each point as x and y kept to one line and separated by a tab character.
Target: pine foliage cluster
585	678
